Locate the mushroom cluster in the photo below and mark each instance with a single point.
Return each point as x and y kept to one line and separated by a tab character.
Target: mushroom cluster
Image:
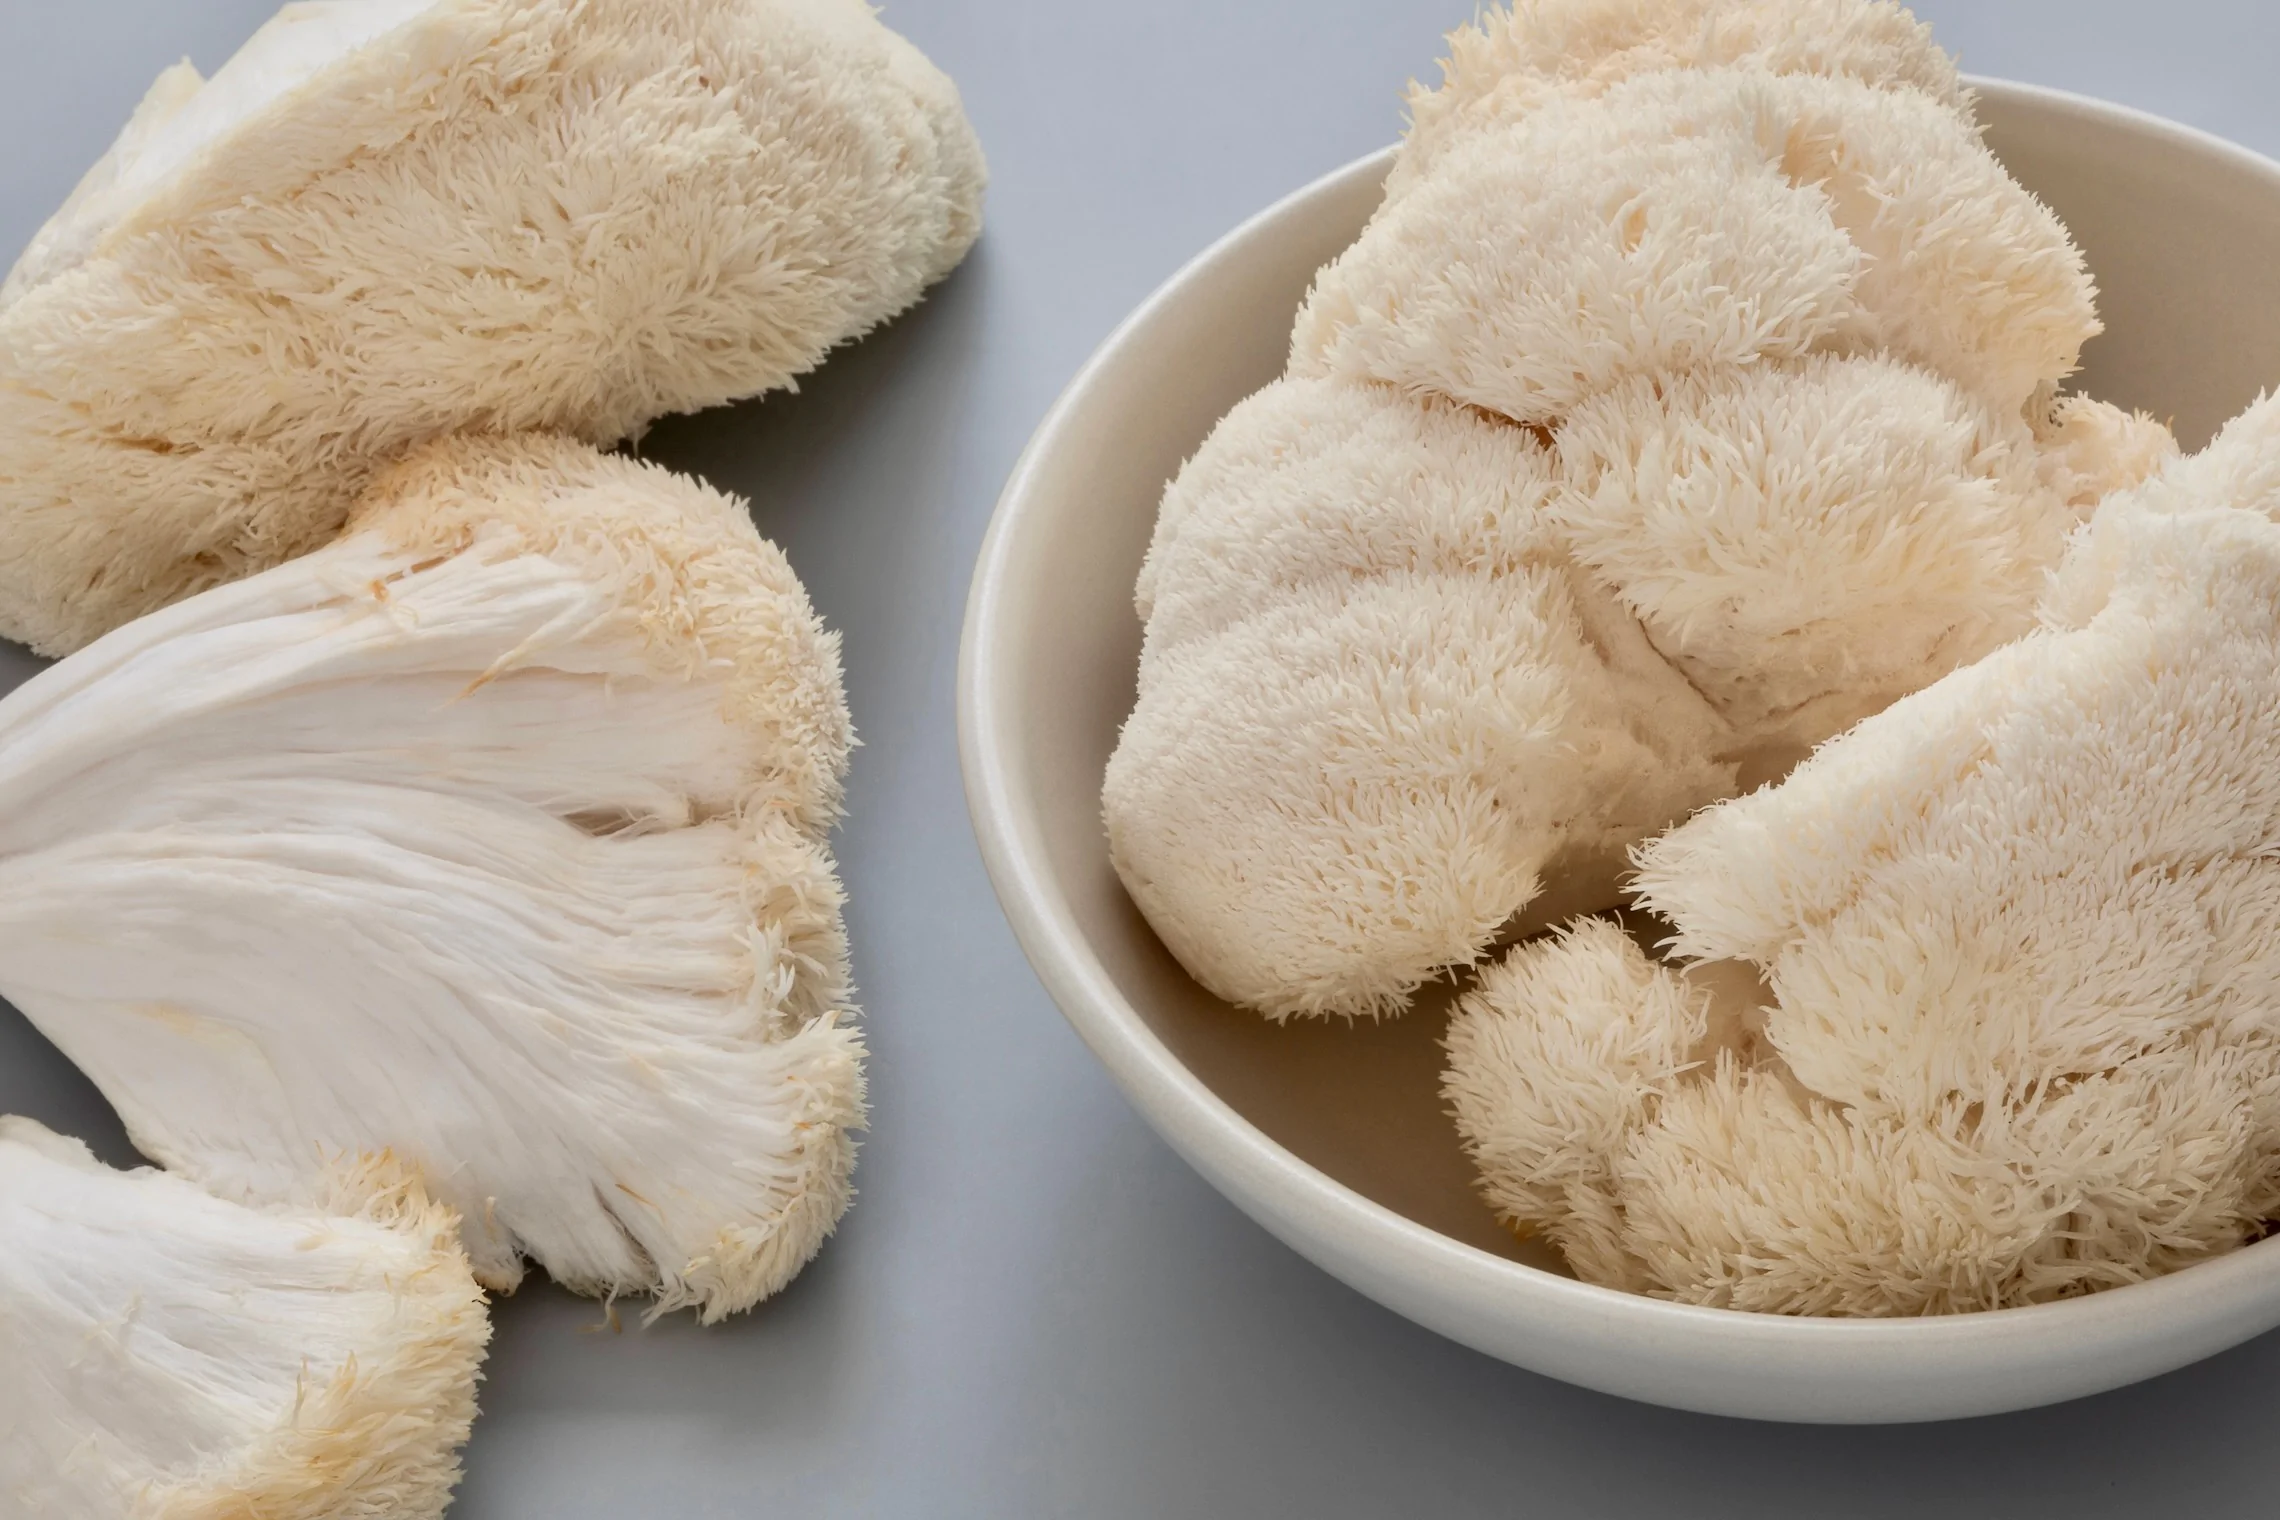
1692	395
1979	1007
424	843
1691	407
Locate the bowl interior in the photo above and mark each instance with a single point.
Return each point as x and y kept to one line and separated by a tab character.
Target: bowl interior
2176	227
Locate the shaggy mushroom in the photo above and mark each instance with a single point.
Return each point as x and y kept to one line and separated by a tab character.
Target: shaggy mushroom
1511	60
386	220
492	836
1979	1007
171	1356
1642	441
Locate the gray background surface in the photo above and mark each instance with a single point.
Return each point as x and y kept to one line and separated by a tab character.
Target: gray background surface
1035	1308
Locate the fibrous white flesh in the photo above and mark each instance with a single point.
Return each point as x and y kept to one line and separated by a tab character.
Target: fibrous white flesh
386	849
171	1356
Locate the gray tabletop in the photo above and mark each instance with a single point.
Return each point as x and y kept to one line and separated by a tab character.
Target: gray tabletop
1035	1308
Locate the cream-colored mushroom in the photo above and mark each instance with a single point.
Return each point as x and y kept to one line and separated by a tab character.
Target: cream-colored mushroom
1980	1006
1683	404
491	835
386	220
172	1356
1506	63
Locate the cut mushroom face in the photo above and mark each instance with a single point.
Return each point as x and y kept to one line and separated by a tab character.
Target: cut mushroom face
491	836
174	1356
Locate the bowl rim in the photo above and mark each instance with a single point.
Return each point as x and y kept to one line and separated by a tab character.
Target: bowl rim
1240	1159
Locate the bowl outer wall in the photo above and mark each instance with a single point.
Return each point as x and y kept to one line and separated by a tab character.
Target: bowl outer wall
1048	644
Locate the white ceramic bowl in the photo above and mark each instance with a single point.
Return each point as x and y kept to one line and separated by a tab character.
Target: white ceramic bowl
1333	1137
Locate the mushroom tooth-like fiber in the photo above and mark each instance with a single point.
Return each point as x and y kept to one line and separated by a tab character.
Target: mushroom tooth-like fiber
708	598
2020	1020
1311	481
1503	66
1810	541
1643	232
387	220
492	836
172	1356
1371	706
1697	219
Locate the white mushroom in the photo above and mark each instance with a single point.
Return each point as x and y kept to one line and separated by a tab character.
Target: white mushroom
385	220
171	1356
491	835
1983	1007
1688	401
1698	219
1505	64
1376	702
